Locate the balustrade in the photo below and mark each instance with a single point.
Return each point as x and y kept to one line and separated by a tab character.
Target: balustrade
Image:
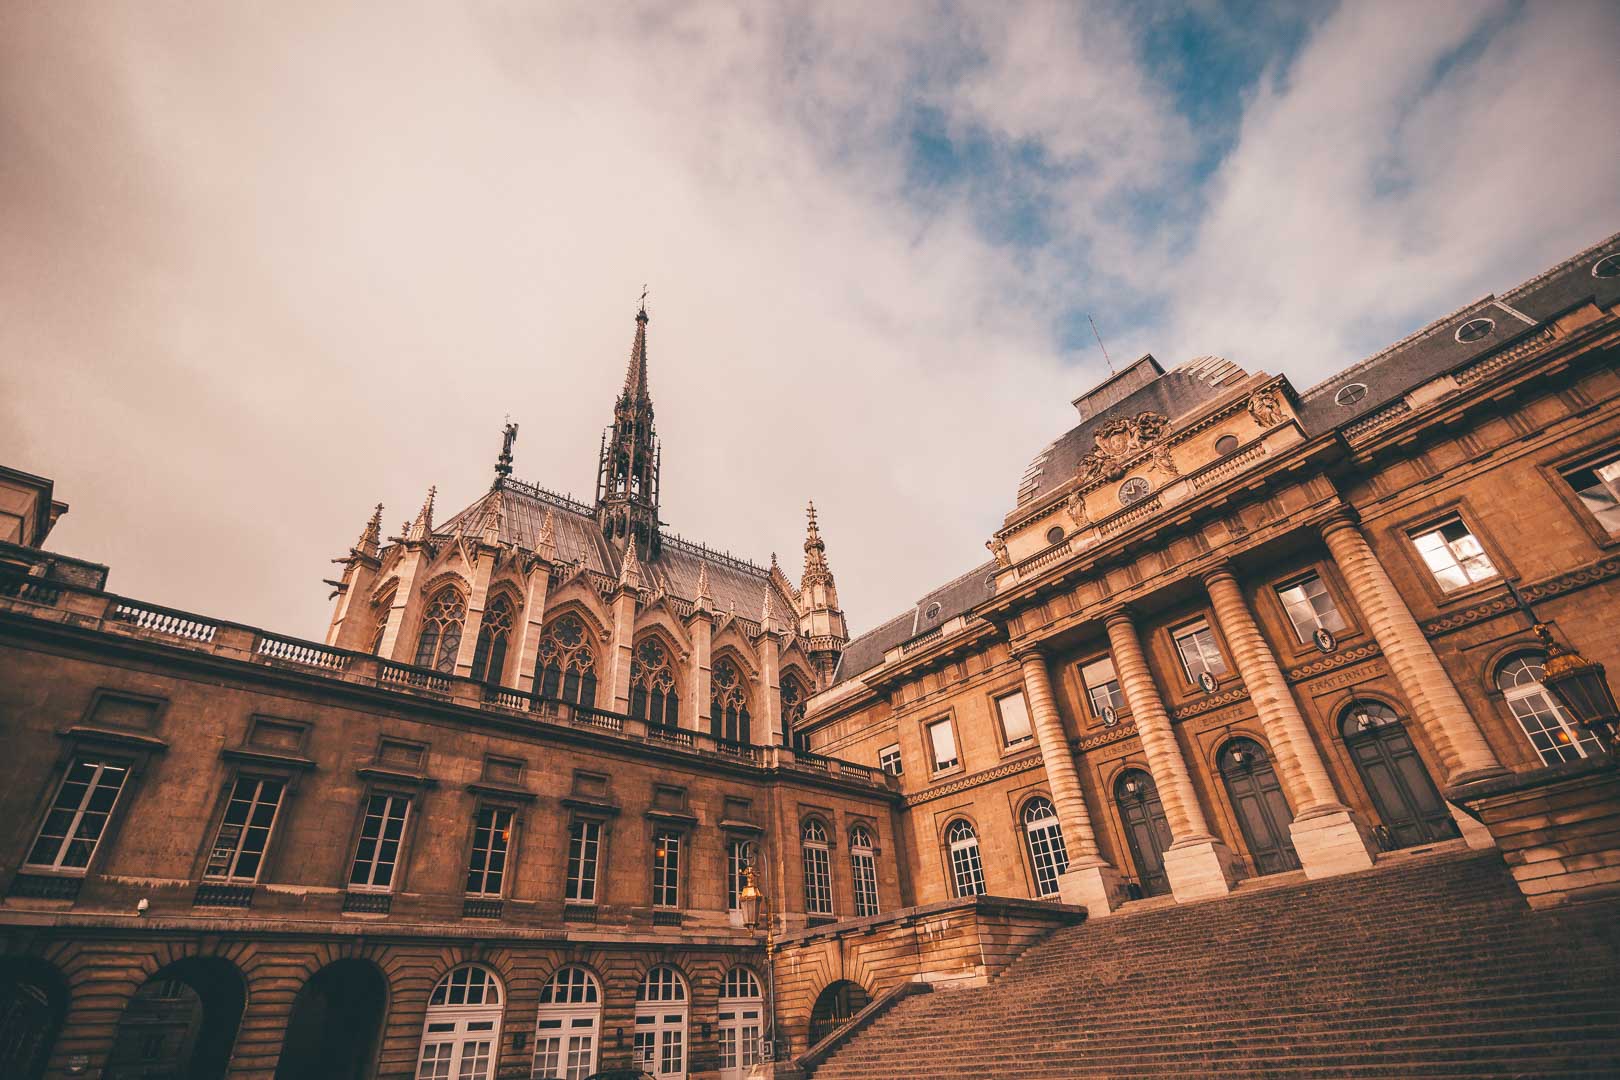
302	652
164	621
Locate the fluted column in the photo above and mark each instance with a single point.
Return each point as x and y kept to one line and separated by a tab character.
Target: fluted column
1438	708
1327	837
1197	864
1090	880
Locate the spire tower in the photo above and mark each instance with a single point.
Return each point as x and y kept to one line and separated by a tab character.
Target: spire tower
627	474
820	618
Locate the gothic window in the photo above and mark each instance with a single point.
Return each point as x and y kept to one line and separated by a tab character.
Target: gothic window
1547	724
379	619
565	668
653	697
495	632
817	869
441	630
728	703
967	872
1046	851
794	696
863	866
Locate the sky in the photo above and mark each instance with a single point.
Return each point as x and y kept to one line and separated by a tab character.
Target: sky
263	266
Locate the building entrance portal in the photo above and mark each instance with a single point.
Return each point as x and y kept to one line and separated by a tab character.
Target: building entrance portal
1262	810
1410	808
33	1000
336	1020
180	1024
1145	828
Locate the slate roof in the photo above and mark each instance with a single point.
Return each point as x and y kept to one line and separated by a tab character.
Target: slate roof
954	597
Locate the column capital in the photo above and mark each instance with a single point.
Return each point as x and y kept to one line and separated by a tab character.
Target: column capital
1342	517
1121	613
1221	571
1024	651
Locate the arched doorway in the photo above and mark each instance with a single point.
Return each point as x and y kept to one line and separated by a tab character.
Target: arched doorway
335	1023
569	1025
1262	810
835	1006
181	1024
33	1000
742	1023
461	1036
1402	793
1146	829
662	1009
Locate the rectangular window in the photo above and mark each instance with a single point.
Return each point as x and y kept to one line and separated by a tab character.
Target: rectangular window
865	870
1102	688
739	853
1014	712
817	880
492	838
584	845
1598	486
889	761
943	741
68	837
380	836
244	832
1199	653
666	868
1453	556
1309	607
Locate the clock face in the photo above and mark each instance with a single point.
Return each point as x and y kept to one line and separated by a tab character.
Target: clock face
1133	489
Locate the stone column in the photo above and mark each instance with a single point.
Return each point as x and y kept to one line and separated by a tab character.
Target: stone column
624	629
396	644
1326	836
770	691
1436	705
532	628
695	703
1197	864
473	620
1090	880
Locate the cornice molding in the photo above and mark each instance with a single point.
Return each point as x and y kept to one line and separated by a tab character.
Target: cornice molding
1342	658
962	783
1106	738
1210	704
1551	588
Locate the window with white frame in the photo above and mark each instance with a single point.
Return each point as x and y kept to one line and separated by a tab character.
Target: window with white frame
817	869
381	834
942	743
1044	836
967	872
661	1013
1195	643
584	848
1309	607
462	1033
492	838
1101	684
1556	736
742	1024
739	855
1453	555
569	1026
244	831
78	816
1014	713
1598	486
666	868
889	760
863	867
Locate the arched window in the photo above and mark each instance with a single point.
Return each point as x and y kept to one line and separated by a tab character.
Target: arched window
863	868
1555	735
569	1027
728	703
462	1033
742	1010
379	621
653	697
661	1011
817	869
794	695
565	668
1045	838
967	872
489	658
441	630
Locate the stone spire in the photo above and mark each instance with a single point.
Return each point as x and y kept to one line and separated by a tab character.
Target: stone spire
816	571
703	601
627	473
820	618
371	536
767	612
422	527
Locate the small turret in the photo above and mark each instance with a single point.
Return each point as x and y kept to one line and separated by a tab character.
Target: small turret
820	618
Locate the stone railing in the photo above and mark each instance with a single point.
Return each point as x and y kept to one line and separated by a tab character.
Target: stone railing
301	652
27	587
180	624
1210	475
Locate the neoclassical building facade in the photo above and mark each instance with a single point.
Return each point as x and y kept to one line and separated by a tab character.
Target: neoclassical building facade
561	791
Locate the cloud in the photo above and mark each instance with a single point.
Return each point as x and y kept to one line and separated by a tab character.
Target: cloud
268	266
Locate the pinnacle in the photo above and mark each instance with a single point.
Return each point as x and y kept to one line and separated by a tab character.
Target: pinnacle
423	525
371	535
630	572
703	601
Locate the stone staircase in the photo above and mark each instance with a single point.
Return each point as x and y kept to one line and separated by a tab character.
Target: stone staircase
1428	966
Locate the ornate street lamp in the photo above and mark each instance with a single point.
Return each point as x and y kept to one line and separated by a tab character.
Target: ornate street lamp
1579	684
756	911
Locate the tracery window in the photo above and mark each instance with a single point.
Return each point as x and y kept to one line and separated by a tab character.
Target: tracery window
794	695
1047	853
441	630
653	697
565	668
967	872
728	703
494	633
864	869
817	869
1555	735
379	620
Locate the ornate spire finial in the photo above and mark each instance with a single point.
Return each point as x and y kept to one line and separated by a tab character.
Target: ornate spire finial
423	525
546	542
815	553
494	510
630	572
371	536
767	611
503	464
703	601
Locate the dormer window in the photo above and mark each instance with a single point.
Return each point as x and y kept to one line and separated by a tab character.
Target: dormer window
1474	329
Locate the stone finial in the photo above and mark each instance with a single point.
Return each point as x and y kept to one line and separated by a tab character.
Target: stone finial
422	527
371	536
546	542
703	601
494	510
816	571
630	571
767	611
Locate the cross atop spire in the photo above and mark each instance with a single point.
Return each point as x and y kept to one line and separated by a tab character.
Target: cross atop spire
635	379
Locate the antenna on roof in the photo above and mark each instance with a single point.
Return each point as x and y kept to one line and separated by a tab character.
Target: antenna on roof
1100	345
